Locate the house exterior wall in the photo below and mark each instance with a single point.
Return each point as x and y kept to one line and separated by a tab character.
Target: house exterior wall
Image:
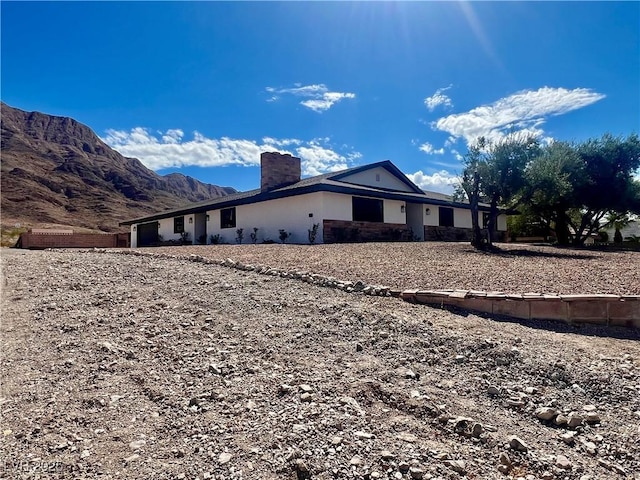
290	214
379	178
461	218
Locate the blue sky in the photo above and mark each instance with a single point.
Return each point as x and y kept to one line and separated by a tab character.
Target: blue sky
203	87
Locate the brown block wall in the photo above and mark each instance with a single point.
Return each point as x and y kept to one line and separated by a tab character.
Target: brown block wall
456	234
278	170
342	231
75	240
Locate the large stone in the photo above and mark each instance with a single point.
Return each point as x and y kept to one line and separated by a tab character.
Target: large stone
518	444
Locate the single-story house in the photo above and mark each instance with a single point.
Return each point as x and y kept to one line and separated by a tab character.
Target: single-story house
375	202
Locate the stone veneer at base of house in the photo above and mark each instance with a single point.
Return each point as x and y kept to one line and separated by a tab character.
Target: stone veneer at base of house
456	234
342	231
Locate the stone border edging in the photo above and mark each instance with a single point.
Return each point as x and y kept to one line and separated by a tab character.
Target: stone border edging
598	309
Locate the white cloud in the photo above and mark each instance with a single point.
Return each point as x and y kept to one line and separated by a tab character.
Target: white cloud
169	150
524	112
317	97
438	99
429	150
442	181
317	160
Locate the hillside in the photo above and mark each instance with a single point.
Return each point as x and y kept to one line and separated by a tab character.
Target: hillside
56	171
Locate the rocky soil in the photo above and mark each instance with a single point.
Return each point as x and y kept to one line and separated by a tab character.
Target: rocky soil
125	366
517	268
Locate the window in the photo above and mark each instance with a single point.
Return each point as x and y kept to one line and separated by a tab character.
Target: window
178	224
228	217
446	217
367	210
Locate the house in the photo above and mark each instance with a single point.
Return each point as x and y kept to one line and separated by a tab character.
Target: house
375	202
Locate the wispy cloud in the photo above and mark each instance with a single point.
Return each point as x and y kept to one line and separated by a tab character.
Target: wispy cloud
429	150
317	97
523	112
438	99
442	181
169	150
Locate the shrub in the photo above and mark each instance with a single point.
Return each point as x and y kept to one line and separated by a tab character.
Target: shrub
254	235
239	235
185	238
284	235
202	239
313	233
617	237
215	239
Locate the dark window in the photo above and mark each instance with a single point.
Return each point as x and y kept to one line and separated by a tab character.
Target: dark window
178	224
367	210
228	217
446	217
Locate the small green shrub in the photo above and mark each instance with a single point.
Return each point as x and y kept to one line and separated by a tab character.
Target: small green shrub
239	235
215	239
254	235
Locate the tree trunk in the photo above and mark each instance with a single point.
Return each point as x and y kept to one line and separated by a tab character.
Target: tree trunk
562	228
491	223
476	235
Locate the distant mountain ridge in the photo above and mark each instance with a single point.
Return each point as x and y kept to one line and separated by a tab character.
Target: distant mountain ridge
56	171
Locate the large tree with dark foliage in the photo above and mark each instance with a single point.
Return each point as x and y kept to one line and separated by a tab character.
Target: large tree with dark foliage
574	187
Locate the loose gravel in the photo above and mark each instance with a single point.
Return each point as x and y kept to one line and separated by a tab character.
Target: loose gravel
124	366
440	265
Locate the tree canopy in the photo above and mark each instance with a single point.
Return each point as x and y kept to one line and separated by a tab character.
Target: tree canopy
570	187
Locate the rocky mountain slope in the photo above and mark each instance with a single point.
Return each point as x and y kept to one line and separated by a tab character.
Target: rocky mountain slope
56	171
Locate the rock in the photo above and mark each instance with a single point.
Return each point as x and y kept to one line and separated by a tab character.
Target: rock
132	458
568	437
305	388
493	391
284	389
563	462
505	460
589	408
416	473
561	420
408	373
477	430
403	467
364	435
546	413
301	466
137	444
592	417
224	457
306	397
574	420
356	460
387	455
460	359
518	444
336	440
457	466
359	347
547	476
590	447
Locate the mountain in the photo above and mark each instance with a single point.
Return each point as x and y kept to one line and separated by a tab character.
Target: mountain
56	171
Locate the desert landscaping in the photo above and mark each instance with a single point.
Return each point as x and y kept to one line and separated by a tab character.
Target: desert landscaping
155	366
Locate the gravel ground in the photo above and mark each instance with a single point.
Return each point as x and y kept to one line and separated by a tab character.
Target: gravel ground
439	265
123	366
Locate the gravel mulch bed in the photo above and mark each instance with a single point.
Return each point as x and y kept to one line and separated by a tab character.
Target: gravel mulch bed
137	367
439	265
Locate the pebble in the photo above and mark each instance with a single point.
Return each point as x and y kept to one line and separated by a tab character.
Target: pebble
493	391
224	457
306	397
563	462
568	437
387	455
132	458
416	473
574	420
518	444
457	466
546	413
356	460
137	444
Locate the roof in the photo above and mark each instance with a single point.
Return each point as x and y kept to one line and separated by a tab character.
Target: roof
328	182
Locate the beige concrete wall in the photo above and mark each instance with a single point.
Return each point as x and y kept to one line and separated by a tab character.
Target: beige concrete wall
379	178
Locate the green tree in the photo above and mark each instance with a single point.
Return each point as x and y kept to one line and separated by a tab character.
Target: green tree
574	186
495	173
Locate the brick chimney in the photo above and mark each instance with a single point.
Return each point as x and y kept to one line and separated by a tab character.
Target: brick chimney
278	170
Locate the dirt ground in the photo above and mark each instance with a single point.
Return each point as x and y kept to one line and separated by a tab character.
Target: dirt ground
122	366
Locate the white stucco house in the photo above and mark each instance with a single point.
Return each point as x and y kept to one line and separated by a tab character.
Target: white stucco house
374	202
